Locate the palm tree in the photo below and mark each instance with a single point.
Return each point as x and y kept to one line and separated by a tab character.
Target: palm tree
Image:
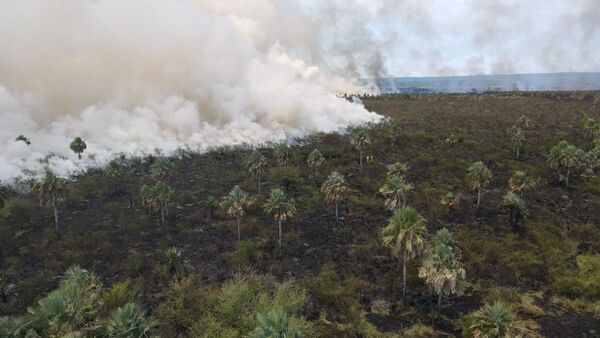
235	203
129	321
517	138
517	208
398	169
336	190
405	235
174	260
442	270
119	172
257	166
360	140
283	153
523	122
567	159
394	191
157	197
78	146
315	160
49	190
280	207
275	324
212	203
162	169
520	181
4	193
495	321
23	139
450	200
478	177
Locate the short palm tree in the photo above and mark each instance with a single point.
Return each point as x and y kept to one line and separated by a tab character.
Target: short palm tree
450	200
478	177
174	260
162	169
211	203
275	324
520	181
257	166
495	321
360	140
130	321
523	122
235	203
78	146
24	139
315	160
119	173
49	190
398	169
442	269
336	189
283	153
280	207
405	236
517	138
394	191
567	159
157	197
517	207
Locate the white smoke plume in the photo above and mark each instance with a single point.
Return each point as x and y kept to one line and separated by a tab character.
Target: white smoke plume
137	75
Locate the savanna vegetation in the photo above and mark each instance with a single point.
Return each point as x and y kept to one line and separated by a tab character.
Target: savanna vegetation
467	215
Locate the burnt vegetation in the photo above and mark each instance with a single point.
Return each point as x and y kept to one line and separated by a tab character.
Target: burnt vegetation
459	213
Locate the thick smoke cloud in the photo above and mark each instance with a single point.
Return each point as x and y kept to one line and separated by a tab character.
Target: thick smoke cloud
138	75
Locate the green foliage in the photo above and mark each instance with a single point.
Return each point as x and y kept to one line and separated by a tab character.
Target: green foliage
394	191
335	187
406	233
8	327
478	176
279	206
493	321
584	282
129	321
567	159
517	138
118	295
275	324
78	146
286	177
174	260
283	153
315	159
162	170
156	197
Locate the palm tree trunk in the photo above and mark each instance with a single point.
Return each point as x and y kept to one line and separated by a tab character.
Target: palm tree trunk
280	231
337	218
162	215
404	277
237	218
316	173
478	197
567	179
360	155
259	189
439	303
511	216
55	206
517	153
79	154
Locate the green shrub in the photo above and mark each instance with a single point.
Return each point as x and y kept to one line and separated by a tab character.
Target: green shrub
118	295
584	282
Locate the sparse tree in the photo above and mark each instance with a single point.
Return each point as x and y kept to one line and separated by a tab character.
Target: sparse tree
281	208
336	190
49	191
315	160
567	159
162	169
157	197
442	269
517	208
591	127
394	191
495	321
478	177
398	169
517	138
360	140
450	200
235	203
520	181
283	153
523	122
24	139
405	236
257	166
78	146
275	324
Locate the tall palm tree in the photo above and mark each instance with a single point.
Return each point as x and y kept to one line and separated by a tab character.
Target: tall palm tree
398	169
523	122
280	207
441	268
78	146
405	236
567	159
394	191
517	138
257	166
336	189
235	203
283	153
157	197
520	181
517	208
275	324
495	321
315	160
478	177
49	190
360	140
162	169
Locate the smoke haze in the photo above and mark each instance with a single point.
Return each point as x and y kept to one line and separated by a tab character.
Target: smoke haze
138	75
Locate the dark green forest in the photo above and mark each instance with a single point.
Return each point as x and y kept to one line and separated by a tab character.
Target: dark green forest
460	215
